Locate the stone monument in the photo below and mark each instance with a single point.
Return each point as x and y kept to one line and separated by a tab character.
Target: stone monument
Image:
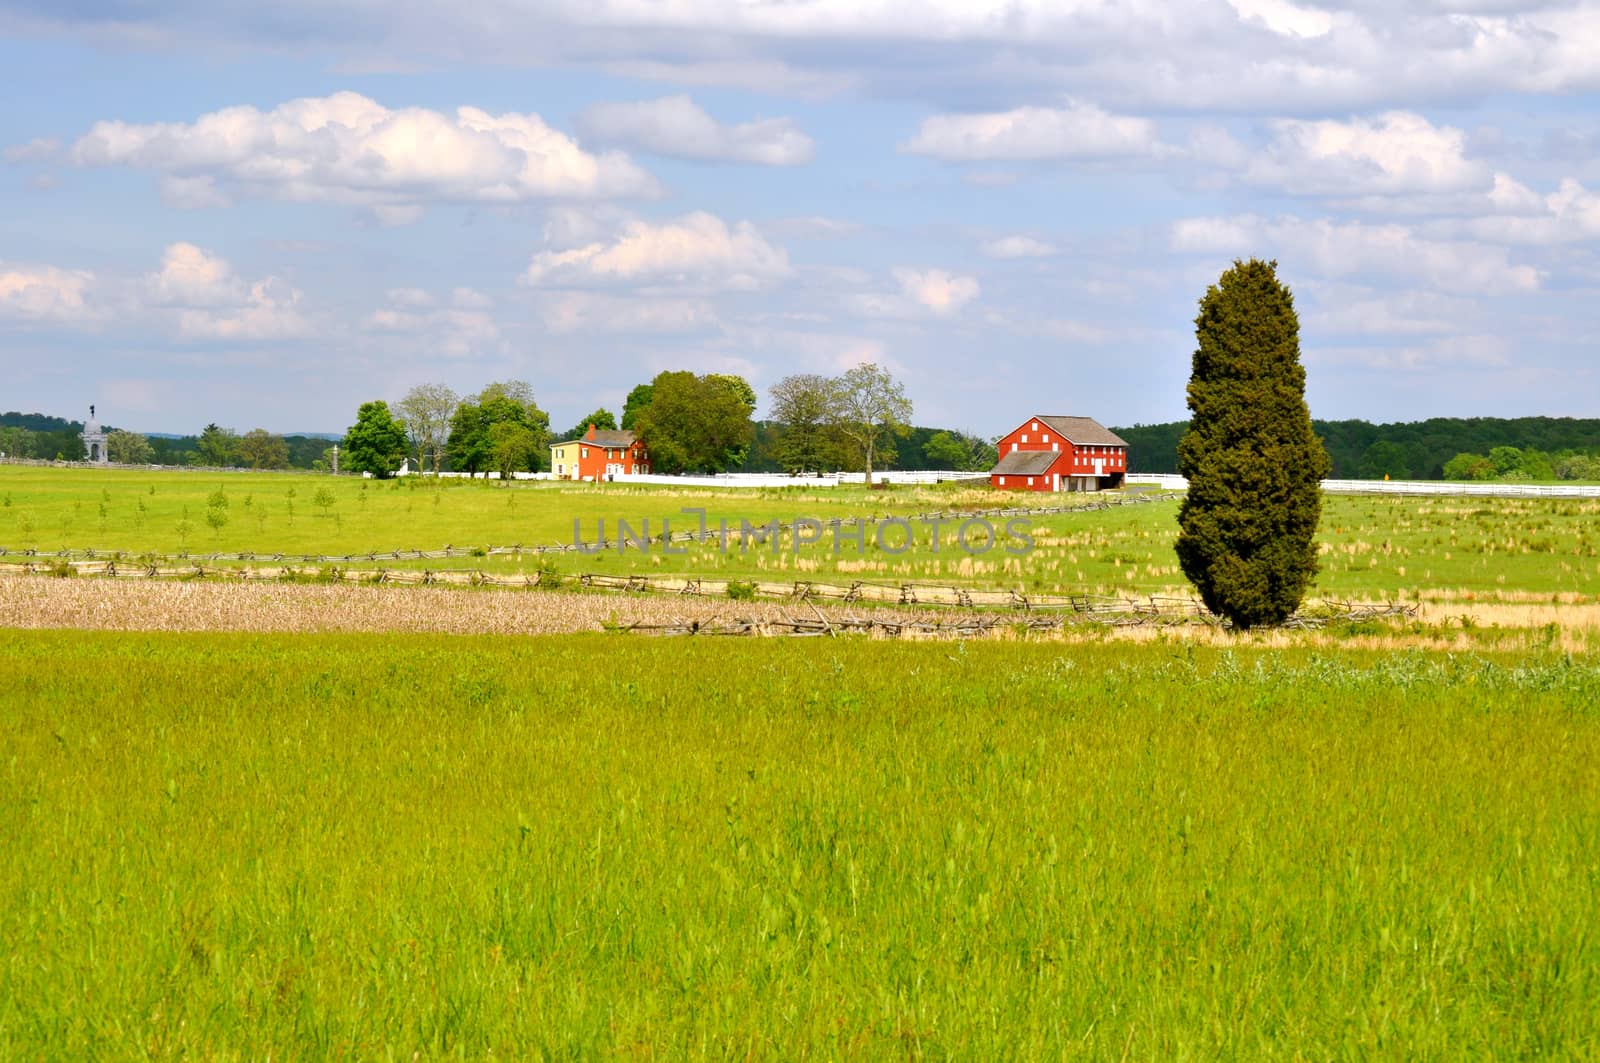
94	441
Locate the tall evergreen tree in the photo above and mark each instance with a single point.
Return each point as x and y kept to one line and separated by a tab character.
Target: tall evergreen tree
1247	527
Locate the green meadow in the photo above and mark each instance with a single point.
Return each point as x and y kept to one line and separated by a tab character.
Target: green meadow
1374	548
247	847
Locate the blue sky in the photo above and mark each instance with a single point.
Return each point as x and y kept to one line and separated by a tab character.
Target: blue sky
264	216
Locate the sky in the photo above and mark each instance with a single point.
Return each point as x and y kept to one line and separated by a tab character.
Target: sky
264	215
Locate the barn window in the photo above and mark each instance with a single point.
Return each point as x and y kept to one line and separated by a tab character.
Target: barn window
1013	446
1055	446
1024	437
1046	437
1002	481
1034	427
1030	481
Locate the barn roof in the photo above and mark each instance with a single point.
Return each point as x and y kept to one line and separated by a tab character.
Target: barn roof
1084	431
1026	463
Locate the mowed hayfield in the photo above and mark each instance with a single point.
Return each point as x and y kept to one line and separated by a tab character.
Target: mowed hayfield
1419	549
310	846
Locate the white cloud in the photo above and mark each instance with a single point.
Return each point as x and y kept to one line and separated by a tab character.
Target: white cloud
192	193
1339	250
1352	310
1313	55
1285	18
45	294
470	299
208	300
1080	130
941	292
1570	214
39	149
1428	356
678	127
346	148
464	329
594	312
1398	153
1018	247
696	249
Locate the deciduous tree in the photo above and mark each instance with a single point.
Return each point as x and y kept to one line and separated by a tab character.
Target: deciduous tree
601	419
637	400
427	409
218	446
472	447
869	408
800	404
697	423
376	443
1247	526
260	449
128	448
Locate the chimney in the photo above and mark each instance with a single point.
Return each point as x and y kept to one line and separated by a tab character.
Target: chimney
591	433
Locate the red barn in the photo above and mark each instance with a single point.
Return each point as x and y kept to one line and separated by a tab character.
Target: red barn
600	454
1060	454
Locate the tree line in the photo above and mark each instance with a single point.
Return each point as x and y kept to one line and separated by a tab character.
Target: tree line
1548	448
691	423
47	438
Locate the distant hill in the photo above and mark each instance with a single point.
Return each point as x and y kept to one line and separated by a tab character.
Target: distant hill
1414	450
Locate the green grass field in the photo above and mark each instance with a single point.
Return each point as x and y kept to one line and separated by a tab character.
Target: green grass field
302	847
1373	547
244	846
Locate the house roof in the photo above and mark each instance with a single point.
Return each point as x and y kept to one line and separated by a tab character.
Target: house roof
603	437
1026	463
1084	431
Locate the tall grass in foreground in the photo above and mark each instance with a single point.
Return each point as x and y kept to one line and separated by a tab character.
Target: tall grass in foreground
309	846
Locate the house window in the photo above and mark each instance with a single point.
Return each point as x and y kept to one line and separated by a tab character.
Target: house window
1047	437
1034	427
1030	481
1024	437
1013	446
1055	446
586	452
1002	481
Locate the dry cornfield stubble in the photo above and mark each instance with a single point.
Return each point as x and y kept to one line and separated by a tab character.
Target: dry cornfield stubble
100	604
139	605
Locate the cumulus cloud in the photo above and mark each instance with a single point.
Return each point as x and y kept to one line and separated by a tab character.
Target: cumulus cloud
941	292
208	300
346	148
1248	54
1570	214
1078	130
1339	250
571	312
696	249
1018	247
39	149
45	294
1282	17
462	329
678	127
1394	154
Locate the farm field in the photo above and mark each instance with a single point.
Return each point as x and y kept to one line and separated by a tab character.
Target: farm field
455	846
1415	548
